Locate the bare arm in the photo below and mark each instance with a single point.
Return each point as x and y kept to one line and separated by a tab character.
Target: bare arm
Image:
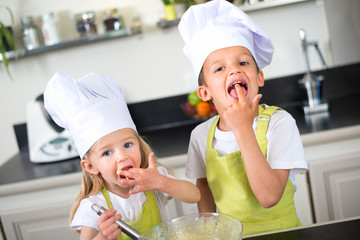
88	233
267	184
182	190
150	179
207	203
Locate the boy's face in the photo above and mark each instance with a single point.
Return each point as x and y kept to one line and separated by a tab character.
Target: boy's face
118	150
223	69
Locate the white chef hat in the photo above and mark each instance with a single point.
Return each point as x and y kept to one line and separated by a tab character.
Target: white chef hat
219	24
89	108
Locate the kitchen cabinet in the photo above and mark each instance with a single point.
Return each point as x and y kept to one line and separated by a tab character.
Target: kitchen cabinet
336	181
38	215
335	175
44	222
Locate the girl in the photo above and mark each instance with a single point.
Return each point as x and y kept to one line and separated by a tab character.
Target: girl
119	169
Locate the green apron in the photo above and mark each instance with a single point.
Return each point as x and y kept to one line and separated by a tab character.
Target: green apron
232	193
148	218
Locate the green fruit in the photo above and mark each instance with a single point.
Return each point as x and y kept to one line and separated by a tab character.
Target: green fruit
194	99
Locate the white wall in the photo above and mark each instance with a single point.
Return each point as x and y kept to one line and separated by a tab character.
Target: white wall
148	66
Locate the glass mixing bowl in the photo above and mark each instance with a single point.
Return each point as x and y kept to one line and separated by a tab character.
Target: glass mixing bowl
199	226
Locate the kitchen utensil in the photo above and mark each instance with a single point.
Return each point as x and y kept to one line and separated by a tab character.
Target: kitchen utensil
199	226
128	230
47	141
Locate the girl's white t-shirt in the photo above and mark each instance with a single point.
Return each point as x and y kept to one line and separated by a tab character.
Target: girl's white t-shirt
284	150
129	208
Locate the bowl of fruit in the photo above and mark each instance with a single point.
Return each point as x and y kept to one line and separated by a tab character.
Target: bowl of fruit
197	108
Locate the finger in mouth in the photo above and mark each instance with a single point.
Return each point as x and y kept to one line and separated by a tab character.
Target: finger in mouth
118	172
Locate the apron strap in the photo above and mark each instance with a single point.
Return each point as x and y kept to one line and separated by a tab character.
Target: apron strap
107	198
262	126
148	218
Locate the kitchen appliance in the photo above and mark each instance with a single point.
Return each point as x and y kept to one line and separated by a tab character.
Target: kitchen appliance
47	141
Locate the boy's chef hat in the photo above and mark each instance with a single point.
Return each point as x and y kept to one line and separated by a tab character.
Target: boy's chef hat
89	108
219	24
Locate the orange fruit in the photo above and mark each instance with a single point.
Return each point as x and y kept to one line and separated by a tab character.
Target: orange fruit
203	108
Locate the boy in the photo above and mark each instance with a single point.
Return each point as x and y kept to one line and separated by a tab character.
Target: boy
244	160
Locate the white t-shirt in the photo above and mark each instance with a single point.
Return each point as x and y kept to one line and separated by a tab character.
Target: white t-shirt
129	208
284	150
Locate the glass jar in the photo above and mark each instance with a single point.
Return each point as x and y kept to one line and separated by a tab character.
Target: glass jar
86	23
112	20
50	29
29	33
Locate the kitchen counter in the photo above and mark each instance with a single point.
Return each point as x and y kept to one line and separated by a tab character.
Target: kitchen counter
334	230
168	129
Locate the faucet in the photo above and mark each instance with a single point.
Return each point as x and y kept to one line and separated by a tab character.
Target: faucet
311	81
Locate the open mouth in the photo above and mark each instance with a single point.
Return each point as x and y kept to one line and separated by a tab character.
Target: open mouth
122	176
232	91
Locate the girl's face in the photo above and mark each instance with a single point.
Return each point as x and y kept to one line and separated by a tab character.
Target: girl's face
118	150
223	69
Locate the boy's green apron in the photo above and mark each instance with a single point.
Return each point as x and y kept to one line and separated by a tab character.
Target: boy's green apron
230	187
148	218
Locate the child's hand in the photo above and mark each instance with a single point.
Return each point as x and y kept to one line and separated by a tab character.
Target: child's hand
150	179
240	113
145	179
107	225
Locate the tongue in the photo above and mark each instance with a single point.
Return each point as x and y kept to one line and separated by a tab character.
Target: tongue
234	94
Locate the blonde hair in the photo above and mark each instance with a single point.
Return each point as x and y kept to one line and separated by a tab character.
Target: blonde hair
92	184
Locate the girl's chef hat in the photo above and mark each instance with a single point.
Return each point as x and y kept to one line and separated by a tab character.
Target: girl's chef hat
89	108
219	24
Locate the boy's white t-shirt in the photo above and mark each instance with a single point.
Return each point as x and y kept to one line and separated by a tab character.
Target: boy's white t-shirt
128	208
284	150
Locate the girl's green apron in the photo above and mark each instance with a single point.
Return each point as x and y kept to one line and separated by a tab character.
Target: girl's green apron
230	187
148	218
